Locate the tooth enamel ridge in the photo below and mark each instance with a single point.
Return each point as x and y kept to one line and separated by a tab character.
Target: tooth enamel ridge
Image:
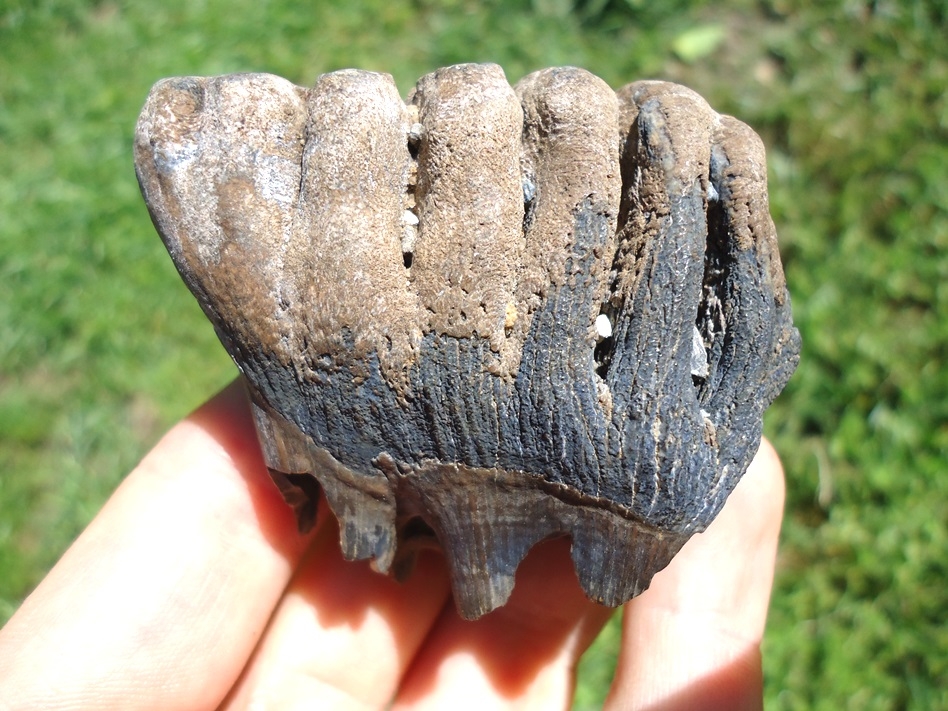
487	315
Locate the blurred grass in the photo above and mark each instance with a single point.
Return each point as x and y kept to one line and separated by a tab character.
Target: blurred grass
102	348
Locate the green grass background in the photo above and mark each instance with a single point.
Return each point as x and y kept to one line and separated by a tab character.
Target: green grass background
102	347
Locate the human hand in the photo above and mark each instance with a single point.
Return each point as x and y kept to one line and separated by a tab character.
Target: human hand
192	590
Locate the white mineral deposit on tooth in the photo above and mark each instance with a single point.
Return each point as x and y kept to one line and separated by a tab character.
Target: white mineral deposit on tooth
699	357
603	327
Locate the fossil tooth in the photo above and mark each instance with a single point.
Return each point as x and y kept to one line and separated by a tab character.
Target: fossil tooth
487	316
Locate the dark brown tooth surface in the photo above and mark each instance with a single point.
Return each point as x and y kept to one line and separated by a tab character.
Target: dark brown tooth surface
469	202
488	317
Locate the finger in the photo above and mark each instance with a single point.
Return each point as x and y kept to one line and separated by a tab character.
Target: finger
692	640
343	634
521	655
161	600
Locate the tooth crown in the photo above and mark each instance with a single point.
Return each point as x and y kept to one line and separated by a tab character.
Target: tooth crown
488	316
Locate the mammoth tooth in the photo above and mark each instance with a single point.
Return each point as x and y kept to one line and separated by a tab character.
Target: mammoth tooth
486	317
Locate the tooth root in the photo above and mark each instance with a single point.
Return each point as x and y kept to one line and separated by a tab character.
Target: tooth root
483	567
480	527
615	558
479	520
285	447
364	503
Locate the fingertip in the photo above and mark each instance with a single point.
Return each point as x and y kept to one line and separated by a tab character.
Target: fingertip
754	510
766	463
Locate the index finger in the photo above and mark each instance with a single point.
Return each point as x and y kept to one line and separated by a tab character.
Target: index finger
161	600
